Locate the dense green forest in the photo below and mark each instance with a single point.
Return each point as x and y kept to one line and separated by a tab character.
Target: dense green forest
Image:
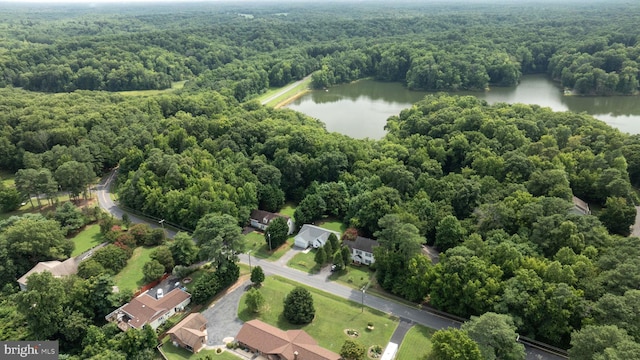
489	186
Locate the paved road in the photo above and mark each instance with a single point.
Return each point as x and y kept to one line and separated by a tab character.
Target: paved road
105	202
284	90
635	229
322	282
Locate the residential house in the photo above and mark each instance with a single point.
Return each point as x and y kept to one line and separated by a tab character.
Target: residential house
260	219
580	207
190	333
275	344
311	235
55	267
146	309
361	250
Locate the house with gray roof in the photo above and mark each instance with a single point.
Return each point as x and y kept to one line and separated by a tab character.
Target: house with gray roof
311	235
260	219
361	250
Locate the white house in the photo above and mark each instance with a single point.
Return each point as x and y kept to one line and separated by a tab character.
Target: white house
146	309
361	250
260	219
311	235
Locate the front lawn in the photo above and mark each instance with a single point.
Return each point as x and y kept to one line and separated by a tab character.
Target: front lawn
334	315
131	277
416	344
173	352
353	276
305	262
254	242
86	239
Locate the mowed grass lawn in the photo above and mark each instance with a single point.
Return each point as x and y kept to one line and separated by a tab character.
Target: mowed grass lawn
255	242
86	239
131	277
333	316
332	224
177	353
305	262
288	209
416	344
354	276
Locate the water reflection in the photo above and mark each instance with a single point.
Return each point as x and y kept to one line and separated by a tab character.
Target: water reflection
361	109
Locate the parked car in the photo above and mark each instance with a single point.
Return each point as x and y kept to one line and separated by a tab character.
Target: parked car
159	294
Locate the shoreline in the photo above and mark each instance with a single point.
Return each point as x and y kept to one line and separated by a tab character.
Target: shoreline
291	98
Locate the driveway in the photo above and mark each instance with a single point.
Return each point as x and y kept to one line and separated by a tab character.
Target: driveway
222	317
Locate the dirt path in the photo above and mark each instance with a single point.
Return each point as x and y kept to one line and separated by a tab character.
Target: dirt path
283	90
635	229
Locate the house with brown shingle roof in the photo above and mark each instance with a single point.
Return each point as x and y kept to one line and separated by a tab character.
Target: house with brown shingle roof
260	219
55	267
145	309
275	344
190	333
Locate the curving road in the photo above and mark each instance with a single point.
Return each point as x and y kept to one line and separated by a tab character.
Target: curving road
321	281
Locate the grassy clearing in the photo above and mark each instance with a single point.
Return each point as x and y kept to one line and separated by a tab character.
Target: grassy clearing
288	209
282	99
333	316
354	276
176	85
131	276
416	344
332	224
86	239
305	262
173	352
254	242
7	178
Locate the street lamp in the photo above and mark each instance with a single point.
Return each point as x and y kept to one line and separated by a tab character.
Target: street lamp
363	290
161	222
269	236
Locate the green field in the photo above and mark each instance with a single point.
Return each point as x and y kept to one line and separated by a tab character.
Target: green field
305	262
254	242
176	353
354	276
416	344
131	277
334	315
176	85
86	239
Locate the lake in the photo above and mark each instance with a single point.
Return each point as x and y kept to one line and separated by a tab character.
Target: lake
361	109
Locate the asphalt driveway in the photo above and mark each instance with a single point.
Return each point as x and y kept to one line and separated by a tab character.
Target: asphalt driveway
222	317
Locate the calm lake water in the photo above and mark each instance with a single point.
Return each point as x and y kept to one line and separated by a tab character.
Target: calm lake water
361	109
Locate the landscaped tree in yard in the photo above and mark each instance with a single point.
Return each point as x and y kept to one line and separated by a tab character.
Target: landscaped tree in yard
496	336
163	255
276	233
254	300
454	344
298	306
345	252
320	257
219	237
183	249
333	240
257	275
352	350
74	177
152	270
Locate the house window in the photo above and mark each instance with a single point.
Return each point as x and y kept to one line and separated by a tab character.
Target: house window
359	252
368	255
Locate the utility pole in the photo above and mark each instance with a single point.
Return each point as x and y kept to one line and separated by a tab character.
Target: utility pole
249	253
269	236
161	222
